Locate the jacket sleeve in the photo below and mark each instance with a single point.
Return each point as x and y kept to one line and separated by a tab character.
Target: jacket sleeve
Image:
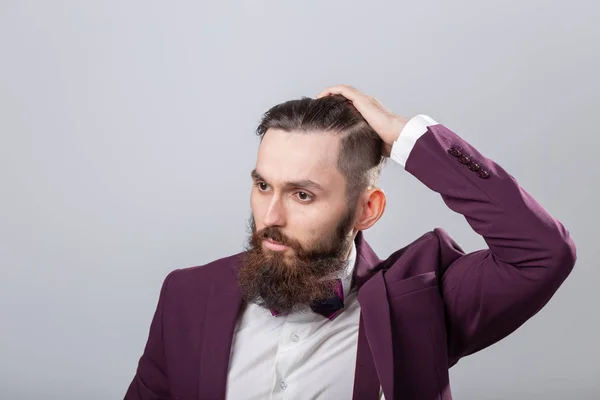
489	293
151	380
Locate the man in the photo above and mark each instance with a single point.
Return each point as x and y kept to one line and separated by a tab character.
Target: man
309	311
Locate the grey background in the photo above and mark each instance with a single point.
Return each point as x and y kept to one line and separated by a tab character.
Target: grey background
127	141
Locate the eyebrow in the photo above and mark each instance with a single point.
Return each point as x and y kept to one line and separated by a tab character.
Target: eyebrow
303	183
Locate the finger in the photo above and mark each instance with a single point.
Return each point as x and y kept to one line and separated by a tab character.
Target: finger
347	91
363	103
325	93
344	90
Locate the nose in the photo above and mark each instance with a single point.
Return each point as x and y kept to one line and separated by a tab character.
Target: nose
275	214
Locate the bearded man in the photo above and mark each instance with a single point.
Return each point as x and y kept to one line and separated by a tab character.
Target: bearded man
308	310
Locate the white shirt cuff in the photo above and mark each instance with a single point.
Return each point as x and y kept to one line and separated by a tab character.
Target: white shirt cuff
412	131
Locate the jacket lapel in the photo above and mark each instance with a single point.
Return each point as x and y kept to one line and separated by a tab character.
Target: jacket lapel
222	307
375	313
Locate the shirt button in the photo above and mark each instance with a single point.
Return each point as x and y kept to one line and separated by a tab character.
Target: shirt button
295	337
283	385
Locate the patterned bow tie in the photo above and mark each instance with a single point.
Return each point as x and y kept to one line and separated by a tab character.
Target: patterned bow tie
331	307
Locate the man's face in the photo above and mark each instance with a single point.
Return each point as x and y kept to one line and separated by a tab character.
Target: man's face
301	221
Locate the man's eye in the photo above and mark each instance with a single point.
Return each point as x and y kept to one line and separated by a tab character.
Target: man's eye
304	196
262	186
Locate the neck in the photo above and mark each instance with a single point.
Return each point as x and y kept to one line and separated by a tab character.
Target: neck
349	250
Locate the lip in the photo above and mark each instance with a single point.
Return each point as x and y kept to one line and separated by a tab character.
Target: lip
271	245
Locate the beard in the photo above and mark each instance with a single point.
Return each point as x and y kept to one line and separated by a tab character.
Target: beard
290	282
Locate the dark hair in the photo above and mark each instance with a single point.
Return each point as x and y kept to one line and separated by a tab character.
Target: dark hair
360	159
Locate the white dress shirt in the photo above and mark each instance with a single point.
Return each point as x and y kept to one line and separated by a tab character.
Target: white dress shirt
304	355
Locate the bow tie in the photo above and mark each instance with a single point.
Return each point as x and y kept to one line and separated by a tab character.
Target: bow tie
331	307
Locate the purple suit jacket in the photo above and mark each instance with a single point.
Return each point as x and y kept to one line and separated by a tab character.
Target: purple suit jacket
422	309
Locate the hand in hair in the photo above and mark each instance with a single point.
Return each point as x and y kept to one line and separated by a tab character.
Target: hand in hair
387	124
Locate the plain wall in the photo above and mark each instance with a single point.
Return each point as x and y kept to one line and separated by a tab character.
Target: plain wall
127	139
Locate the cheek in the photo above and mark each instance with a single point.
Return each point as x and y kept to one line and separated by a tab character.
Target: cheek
253	202
258	204
310	228
256	210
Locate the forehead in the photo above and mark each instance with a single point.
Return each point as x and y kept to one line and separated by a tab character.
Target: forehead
298	155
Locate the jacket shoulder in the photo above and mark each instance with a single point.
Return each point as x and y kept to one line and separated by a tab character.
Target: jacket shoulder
200	276
433	251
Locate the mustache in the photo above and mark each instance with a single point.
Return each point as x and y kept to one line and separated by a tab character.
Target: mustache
275	234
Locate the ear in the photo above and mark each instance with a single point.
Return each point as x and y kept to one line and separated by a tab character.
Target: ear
370	208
